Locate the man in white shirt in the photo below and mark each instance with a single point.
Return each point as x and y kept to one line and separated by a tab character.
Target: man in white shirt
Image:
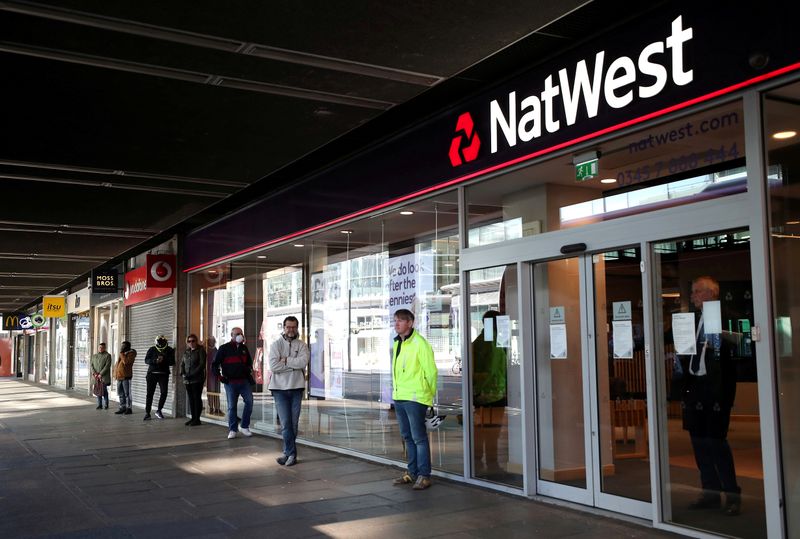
288	359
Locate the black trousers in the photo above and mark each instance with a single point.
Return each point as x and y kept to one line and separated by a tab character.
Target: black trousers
194	393
153	378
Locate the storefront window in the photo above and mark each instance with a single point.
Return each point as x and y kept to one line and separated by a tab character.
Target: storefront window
678	162
81	339
782	113
344	286
497	444
61	352
714	478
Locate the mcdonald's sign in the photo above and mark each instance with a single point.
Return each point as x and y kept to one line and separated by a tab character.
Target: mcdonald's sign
18	321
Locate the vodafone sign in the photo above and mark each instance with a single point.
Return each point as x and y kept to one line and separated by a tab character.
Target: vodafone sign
153	280
161	271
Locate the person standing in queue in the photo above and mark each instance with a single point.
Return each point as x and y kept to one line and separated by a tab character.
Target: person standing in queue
193	371
212	380
160	359
234	366
123	373
288	359
414	376
101	370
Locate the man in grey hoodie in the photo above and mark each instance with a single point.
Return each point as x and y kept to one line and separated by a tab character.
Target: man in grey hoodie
288	359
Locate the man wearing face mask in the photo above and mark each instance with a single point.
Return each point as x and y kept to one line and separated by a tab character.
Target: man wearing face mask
160	359
288	359
234	366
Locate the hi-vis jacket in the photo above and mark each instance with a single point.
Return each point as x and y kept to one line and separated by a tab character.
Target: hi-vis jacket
413	370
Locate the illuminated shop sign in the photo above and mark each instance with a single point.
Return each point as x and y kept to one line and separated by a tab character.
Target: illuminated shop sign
18	321
105	281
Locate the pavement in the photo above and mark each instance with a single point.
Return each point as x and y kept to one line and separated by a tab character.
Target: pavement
69	470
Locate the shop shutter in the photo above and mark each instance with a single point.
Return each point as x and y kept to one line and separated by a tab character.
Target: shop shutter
145	321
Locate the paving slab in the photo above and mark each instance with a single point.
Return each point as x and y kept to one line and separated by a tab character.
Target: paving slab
68	471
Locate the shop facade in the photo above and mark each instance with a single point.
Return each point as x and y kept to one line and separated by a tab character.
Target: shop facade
79	351
587	246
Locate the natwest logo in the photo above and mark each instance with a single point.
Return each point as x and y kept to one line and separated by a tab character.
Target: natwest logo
466	143
577	94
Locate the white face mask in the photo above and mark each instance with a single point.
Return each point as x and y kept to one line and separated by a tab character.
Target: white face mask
239	339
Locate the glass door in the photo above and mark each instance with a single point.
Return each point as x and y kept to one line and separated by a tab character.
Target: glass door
593	443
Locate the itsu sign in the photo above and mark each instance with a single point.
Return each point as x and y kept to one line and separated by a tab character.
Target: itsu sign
153	280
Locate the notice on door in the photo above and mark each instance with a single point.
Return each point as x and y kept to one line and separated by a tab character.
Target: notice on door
558	341
623	339
503	331
683	333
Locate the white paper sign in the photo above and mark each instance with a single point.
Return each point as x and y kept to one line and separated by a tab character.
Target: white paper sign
623	339
621	310
503	331
488	329
558	341
712	317
683	333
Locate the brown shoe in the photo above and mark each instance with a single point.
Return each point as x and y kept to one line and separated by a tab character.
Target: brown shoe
404	479
422	483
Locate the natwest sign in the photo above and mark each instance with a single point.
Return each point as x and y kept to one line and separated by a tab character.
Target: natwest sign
137	289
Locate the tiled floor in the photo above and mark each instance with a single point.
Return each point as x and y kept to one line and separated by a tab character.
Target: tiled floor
68	470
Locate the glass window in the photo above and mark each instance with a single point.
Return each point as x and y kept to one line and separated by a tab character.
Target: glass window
497	444
344	285
782	113
714	479
685	160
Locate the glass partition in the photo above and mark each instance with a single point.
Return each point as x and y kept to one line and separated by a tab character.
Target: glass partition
782	114
677	162
344	285
497	443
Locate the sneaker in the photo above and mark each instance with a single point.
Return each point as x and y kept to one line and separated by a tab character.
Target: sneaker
159	414
99	407
188	423
246	432
105	407
120	411
281	460
195	423
128	411
232	435
291	460
146	417
422	483
404	479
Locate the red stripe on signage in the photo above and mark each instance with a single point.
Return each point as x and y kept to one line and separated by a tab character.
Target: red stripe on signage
512	162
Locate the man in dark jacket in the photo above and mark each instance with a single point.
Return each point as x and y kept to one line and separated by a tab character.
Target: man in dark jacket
234	365
708	389
160	359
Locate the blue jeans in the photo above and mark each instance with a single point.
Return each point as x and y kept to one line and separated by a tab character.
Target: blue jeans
124	393
288	402
411	417
232	391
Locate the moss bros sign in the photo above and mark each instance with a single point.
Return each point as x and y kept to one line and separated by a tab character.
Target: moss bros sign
105	281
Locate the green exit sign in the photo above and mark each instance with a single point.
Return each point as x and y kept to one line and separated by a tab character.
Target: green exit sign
586	170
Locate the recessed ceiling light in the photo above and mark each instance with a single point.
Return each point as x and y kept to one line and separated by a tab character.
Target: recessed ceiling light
608	180
299	245
780	135
406	212
261	256
346	231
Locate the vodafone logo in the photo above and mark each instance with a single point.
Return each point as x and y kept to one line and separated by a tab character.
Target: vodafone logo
161	271
465	145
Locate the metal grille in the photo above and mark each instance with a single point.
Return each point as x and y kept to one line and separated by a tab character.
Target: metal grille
145	321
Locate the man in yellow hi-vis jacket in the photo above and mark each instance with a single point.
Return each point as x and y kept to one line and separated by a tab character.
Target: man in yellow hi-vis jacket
414	383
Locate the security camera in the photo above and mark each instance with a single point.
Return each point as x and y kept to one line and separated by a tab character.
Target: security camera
758	60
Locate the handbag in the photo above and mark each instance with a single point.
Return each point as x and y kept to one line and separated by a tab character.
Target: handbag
98	387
